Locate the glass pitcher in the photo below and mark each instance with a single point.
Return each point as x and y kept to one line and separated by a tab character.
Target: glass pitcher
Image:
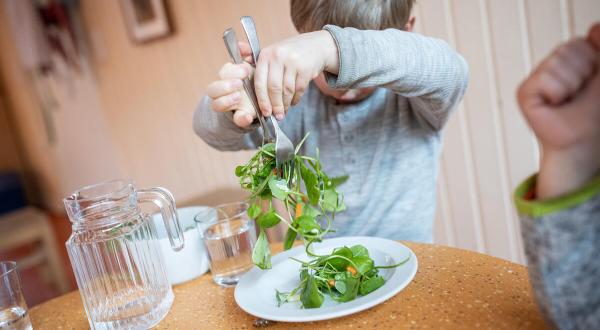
116	255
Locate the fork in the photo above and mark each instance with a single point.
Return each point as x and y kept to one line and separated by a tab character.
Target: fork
284	148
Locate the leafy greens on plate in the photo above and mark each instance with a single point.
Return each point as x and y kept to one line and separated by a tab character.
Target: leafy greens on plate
345	274
311	200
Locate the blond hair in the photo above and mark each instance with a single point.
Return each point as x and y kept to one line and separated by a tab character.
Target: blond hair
312	15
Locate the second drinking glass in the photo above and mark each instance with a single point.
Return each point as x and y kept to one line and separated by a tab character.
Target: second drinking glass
229	235
13	310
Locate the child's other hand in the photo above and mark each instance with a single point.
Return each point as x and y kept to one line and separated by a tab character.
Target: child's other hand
561	102
285	69
228	93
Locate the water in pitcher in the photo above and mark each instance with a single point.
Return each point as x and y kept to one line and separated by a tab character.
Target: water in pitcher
116	257
230	246
14	318
122	278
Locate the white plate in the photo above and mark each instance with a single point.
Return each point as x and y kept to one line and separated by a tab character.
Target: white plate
255	292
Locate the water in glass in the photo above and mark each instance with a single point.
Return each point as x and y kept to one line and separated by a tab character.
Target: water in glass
14	318
13	309
229	236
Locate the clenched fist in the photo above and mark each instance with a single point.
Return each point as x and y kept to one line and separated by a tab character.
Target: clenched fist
561	102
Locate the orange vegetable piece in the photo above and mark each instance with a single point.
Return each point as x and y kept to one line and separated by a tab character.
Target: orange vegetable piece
352	270
298	209
331	282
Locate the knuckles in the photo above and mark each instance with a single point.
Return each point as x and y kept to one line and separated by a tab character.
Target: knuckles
275	87
563	50
223	102
214	105
554	63
233	71
225	69
289	89
281	54
266	54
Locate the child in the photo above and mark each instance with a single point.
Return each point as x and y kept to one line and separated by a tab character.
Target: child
560	207
373	96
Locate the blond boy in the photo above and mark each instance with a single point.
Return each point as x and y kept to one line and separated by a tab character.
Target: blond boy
373	96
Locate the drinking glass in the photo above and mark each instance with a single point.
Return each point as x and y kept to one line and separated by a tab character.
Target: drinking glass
13	310
229	235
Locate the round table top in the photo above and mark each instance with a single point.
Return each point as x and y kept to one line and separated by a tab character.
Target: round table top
452	288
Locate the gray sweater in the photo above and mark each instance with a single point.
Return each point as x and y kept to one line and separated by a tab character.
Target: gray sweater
562	243
388	143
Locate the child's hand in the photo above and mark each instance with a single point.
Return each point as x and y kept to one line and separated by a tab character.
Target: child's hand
561	102
228	93
285	69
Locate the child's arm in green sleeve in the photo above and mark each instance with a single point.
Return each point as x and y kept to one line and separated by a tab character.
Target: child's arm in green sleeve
562	243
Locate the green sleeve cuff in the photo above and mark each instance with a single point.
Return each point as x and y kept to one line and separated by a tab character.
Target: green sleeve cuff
537	208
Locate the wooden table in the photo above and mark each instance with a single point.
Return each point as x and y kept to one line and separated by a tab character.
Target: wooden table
453	289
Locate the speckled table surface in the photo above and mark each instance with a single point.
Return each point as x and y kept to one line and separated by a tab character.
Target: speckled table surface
453	289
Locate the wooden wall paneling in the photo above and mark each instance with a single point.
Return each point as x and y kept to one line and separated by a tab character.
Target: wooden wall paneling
482	113
510	68
545	26
444	231
458	196
502	129
443	227
461	181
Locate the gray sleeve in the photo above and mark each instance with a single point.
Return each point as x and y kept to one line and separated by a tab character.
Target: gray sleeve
425	70
562	254
219	131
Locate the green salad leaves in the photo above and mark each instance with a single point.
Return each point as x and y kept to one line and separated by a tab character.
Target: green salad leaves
346	273
308	194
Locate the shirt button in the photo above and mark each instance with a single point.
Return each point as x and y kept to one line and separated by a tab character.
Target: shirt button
348	138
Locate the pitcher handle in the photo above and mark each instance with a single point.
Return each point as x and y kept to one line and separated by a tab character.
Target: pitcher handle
164	200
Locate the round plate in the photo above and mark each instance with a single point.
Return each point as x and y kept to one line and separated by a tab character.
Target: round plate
255	292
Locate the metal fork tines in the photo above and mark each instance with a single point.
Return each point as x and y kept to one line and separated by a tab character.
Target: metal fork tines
284	148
